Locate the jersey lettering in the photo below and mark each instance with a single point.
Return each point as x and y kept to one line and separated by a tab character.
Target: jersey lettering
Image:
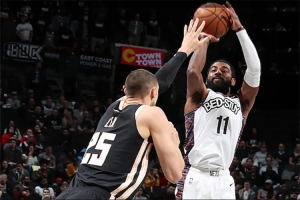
98	140
219	102
111	122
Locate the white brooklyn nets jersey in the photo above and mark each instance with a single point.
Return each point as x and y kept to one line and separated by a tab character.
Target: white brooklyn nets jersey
217	126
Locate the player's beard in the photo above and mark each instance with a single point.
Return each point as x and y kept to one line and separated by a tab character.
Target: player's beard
221	86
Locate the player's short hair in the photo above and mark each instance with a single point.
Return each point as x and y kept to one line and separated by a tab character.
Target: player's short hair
224	61
139	82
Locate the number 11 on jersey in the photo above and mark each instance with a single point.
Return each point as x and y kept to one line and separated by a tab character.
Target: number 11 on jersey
220	120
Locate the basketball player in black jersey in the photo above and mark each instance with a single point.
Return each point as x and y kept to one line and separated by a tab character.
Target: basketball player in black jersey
118	158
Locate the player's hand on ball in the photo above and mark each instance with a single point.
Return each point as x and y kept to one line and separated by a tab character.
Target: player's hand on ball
235	21
191	34
211	37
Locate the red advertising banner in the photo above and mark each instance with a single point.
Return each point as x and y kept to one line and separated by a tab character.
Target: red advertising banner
142	57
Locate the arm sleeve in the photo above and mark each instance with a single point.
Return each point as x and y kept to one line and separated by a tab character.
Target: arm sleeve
166	75
252	74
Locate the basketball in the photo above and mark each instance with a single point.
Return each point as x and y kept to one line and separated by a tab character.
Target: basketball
217	21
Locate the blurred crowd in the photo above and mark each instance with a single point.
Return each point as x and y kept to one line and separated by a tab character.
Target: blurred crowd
43	137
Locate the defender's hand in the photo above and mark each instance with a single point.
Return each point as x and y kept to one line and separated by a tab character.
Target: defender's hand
191	40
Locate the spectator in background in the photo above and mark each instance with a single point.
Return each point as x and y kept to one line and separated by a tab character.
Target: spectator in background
28	139
25	10
30	94
38	133
86	13
267	192
4	195
79	28
47	108
72	168
43	189
268	164
99	32
87	125
14	101
282	194
36	79
43	171
250	156
6	169
46	194
246	193
241	151
269	174
24	30
294	159
163	182
254	141
136	28
53	121
37	117
46	9
4	10
65	37
19	173
16	130
279	27
27	109
96	115
68	121
6	137
8	185
24	194
65	139
15	136
78	113
261	156
60	20
12	154
48	156
121	27
63	186
152	31
50	37
139	195
29	156
152	180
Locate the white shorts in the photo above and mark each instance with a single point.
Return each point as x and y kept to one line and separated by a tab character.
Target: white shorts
208	185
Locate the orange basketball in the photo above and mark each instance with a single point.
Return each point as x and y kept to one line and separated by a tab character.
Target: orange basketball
217	21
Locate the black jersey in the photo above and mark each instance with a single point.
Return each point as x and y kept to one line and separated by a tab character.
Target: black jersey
117	157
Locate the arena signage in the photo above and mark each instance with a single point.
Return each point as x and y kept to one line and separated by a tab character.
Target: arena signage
22	52
89	60
142	57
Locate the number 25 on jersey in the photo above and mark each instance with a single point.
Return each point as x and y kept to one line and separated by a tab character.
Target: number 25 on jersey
98	141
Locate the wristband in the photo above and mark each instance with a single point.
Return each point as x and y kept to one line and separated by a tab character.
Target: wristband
239	29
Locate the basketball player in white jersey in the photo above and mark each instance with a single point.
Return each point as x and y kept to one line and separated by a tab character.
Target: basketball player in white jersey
214	119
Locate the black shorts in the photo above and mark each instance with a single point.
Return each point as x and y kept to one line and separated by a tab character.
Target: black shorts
78	190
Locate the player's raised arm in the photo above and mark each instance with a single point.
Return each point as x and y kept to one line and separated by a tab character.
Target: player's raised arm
166	142
190	43
249	88
196	89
